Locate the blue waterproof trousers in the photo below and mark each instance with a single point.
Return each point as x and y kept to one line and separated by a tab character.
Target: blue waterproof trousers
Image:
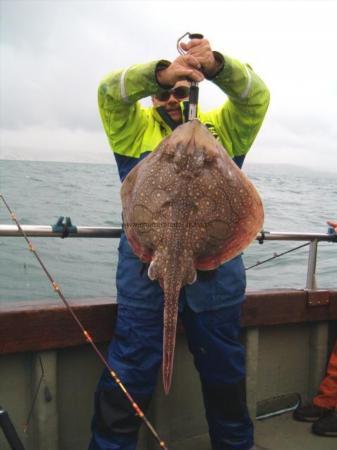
135	354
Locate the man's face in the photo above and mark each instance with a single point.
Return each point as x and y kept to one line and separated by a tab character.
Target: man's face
172	104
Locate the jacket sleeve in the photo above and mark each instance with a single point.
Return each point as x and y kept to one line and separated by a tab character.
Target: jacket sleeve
124	119
239	119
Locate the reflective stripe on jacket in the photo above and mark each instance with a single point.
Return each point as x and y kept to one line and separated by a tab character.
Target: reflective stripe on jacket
134	131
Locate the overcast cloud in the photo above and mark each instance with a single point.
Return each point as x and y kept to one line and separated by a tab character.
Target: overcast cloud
53	54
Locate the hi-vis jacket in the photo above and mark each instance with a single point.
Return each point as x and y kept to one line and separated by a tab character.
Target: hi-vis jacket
135	131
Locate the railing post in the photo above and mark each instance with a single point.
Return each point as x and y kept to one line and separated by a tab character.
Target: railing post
252	357
318	340
311	273
318	333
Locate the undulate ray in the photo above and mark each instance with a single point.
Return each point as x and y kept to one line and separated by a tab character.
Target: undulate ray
187	206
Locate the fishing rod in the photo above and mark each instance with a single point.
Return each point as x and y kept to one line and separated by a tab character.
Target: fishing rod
85	333
277	255
194	89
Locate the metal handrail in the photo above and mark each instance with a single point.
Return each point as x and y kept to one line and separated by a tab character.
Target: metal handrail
115	232
62	230
49	231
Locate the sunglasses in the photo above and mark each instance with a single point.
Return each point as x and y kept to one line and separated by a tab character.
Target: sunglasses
179	93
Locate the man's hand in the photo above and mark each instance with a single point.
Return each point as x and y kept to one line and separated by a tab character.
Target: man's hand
332	224
202	51
198	62
185	67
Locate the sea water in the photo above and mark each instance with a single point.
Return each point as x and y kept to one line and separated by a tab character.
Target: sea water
295	200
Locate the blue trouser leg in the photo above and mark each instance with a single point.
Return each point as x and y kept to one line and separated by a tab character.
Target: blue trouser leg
213	339
135	354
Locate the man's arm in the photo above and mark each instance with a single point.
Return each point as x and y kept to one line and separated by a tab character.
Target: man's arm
239	119
122	115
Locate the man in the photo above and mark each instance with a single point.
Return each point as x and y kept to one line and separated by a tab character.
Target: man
209	308
323	408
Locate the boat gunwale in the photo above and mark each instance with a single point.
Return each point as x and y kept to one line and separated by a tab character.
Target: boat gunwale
27	326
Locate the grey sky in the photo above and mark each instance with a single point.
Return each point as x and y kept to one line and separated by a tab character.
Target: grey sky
53	54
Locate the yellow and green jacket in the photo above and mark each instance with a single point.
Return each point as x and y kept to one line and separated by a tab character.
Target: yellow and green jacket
134	131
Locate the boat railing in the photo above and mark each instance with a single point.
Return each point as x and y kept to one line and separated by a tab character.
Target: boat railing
65	229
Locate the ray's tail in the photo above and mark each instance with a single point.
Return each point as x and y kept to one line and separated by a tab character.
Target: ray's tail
169	339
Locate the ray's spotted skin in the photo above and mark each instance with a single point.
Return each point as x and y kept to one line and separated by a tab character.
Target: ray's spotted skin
187	207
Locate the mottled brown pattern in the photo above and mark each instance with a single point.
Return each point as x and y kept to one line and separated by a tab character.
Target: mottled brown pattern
187	206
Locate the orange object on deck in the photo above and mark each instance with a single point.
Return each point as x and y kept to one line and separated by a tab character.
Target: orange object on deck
327	396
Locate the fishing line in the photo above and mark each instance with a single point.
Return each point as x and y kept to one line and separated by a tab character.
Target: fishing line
277	255
85	333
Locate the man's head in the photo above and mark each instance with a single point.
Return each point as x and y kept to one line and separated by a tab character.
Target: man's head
170	100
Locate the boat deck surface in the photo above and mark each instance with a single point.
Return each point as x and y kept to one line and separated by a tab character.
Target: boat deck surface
276	433
285	433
